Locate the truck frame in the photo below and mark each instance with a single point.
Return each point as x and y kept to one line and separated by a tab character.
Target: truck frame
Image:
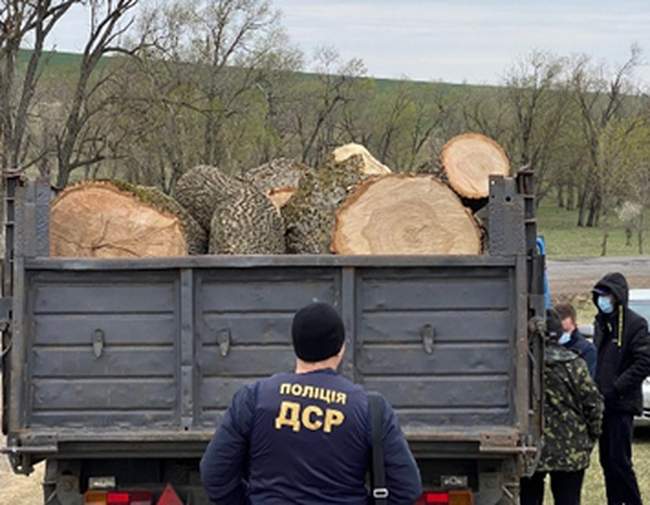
122	368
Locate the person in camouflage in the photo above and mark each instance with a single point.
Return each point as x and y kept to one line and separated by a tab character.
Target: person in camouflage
573	414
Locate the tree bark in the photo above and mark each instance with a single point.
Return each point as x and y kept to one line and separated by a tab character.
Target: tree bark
247	223
309	215
592	218
640	235
241	219
571	197
603	247
278	179
201	189
560	196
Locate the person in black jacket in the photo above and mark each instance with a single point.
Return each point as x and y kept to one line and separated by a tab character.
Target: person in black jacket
304	438
573	339
623	345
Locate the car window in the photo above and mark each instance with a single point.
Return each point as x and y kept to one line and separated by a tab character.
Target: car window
641	307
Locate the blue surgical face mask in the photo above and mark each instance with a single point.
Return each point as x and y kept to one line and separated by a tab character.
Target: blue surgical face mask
605	304
565	338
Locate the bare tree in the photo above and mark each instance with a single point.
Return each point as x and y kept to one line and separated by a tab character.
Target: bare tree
601	97
81	143
205	77
22	22
539	101
322	98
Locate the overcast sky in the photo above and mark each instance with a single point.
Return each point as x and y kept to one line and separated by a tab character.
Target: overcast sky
450	40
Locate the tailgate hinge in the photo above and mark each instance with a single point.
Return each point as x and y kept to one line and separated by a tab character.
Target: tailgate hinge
504	444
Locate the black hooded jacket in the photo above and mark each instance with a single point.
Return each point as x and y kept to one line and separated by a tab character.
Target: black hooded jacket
623	347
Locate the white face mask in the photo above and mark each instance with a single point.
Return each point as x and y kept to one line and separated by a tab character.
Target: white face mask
565	338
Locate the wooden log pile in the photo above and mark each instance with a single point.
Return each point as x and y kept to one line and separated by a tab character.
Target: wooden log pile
351	205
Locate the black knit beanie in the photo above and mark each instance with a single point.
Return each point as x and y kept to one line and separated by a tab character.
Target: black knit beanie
317	332
553	325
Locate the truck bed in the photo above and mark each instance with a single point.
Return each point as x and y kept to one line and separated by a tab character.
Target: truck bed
152	350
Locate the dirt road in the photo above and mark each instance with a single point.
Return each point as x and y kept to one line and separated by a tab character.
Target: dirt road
16	489
577	276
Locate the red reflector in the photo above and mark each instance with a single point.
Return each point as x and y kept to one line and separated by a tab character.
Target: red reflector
169	497
114	498
141	498
430	498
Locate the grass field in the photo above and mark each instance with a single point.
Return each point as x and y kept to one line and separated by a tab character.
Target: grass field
565	239
593	491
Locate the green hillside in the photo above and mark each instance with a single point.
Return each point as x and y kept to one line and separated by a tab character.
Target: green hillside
54	63
58	64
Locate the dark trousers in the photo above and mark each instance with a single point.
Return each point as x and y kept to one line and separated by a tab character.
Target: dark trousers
566	488
616	459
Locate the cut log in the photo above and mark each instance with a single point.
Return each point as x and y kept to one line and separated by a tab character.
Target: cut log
370	165
106	219
405	214
309	215
278	179
469	160
240	218
201	189
247	223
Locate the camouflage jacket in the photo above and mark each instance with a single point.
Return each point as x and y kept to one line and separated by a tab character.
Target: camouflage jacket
573	412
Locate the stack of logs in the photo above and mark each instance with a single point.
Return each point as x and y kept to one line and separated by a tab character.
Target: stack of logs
352	204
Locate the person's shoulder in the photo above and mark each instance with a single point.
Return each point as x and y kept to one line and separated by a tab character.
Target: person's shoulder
556	353
582	344
578	367
635	320
271	380
251	390
353	387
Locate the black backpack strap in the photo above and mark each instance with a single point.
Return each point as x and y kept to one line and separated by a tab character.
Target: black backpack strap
378	474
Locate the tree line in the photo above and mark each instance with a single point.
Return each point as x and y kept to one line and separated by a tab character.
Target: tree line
159	90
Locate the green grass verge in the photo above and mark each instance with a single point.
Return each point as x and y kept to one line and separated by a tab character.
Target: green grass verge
593	491
565	239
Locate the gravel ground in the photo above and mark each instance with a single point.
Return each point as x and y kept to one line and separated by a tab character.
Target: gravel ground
20	490
577	276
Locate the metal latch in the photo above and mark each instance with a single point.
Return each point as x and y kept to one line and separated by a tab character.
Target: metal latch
427	333
223	339
98	343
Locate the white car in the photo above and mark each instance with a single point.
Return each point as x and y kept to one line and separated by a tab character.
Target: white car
640	303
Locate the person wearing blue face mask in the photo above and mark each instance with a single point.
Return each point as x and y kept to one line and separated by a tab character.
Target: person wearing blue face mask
573	339
623	346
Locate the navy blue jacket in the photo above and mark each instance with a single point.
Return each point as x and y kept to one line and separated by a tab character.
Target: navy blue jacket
303	439
585	349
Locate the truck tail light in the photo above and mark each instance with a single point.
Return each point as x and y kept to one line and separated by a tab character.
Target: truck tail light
95	498
117	498
446	498
430	498
141	498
